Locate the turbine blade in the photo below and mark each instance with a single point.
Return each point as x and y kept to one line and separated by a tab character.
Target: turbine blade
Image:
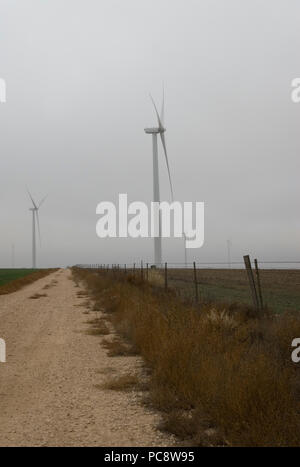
41	202
38	224
162	136
161	127
162	114
32	199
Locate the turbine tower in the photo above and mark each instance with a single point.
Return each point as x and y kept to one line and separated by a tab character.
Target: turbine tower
160	130
35	219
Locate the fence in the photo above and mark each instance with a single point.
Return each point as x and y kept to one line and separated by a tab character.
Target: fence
263	284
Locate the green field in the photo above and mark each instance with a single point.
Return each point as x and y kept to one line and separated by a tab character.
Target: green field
280	288
8	275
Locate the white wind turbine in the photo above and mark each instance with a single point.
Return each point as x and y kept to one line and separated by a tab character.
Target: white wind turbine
160	130
35	219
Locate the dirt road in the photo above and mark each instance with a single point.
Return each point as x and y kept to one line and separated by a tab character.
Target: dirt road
48	393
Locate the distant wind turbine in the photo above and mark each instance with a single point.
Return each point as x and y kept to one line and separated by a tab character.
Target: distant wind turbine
160	130
13	255
35	219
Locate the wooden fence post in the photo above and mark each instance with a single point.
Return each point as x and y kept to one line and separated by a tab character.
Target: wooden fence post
251	281
166	276
261	302
147	273
142	271
196	283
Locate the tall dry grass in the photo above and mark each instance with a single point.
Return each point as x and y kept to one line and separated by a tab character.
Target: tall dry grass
220	375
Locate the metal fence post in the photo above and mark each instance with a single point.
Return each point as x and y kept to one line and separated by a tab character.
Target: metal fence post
196	283
251	281
261	302
166	276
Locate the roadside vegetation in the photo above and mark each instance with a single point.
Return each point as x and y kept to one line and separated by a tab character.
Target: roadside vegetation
220	374
12	280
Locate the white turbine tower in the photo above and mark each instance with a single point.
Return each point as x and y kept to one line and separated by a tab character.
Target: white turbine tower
35	219
160	130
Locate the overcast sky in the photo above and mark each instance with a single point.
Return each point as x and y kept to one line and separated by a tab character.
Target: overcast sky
78	76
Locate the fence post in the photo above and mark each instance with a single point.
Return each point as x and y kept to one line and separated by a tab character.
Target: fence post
259	285
196	283
166	276
251	281
142	271
147	276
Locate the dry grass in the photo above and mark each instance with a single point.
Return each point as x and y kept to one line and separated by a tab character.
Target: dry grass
126	382
118	348
99	328
36	296
18	284
156	277
81	293
222	376
85	304
106	371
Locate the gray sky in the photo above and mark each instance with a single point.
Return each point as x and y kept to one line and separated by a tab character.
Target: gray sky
78	75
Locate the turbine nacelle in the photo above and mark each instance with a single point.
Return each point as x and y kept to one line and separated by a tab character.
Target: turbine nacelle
154	131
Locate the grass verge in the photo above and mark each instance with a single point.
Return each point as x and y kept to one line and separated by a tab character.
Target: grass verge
220	375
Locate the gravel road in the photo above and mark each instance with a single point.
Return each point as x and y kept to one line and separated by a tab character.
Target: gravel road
48	393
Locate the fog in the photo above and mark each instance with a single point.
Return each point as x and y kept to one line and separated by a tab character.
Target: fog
78	76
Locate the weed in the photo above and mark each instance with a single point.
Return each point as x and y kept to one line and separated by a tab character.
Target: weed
38	295
100	329
117	348
121	383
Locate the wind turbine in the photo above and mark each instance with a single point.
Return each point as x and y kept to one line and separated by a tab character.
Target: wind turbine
160	130
35	219
13	255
